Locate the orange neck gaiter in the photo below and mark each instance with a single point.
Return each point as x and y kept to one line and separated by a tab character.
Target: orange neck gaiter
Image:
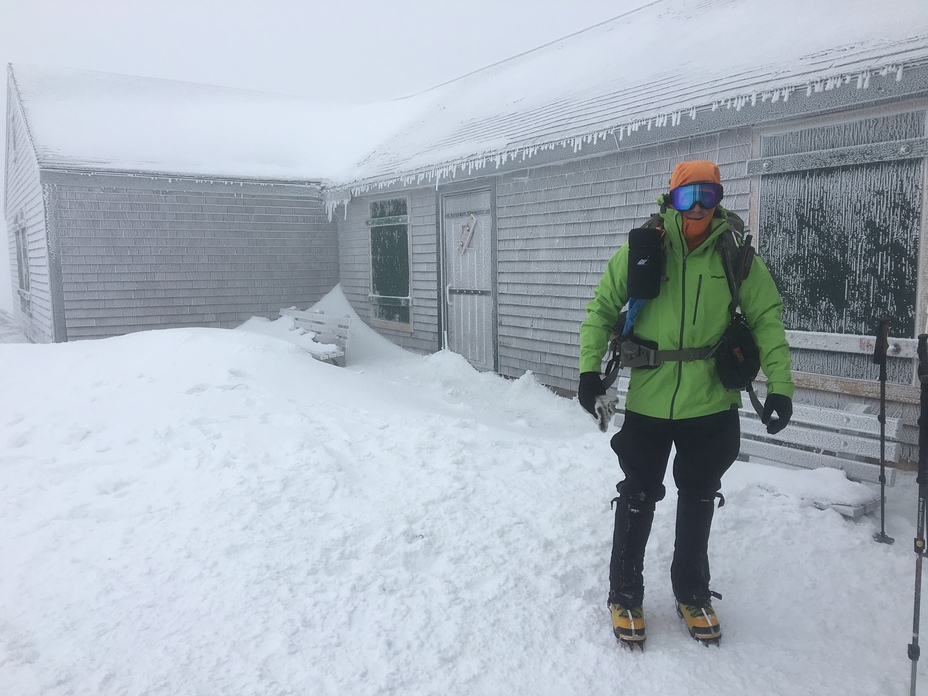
697	231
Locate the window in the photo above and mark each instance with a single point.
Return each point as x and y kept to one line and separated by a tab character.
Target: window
389	226
845	249
22	261
842	241
840	231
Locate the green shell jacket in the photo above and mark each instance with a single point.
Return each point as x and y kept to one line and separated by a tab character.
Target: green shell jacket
691	311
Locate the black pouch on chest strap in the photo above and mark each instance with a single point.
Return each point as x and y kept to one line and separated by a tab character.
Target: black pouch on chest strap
737	359
645	263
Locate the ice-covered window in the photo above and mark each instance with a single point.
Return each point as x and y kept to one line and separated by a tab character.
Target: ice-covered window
389	236
842	242
22	261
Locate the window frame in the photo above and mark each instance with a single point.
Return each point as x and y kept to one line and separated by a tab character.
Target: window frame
24	281
377	300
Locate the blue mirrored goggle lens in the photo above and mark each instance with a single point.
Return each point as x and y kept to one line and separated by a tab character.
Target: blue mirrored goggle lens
685	197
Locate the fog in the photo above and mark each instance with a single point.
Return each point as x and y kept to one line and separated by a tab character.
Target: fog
355	51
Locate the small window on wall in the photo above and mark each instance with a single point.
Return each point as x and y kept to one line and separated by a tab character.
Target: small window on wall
389	226
22	261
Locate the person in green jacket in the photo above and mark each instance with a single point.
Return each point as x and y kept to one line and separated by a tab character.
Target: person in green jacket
681	402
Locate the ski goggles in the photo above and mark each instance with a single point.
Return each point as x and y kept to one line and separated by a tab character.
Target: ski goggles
685	197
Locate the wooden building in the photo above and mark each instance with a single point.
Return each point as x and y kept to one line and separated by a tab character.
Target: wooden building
126	211
483	224
502	201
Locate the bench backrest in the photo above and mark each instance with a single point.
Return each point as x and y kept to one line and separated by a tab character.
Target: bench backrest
327	328
818	437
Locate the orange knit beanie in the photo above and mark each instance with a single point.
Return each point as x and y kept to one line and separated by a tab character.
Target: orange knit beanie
697	171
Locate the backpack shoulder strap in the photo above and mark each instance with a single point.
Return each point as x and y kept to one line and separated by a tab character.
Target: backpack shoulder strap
737	256
736	223
654	222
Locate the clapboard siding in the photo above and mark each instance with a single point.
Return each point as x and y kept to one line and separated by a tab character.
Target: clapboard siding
140	257
23	204
354	261
559	225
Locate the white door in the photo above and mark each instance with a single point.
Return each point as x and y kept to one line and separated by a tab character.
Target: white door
470	324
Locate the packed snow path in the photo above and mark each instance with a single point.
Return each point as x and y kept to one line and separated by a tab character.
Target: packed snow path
214	512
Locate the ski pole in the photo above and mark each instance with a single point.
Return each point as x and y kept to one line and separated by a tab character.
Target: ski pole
922	481
879	357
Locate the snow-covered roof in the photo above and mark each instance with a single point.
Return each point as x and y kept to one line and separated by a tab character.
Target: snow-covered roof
81	119
651	67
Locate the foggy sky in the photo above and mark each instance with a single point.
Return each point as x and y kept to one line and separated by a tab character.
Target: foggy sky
340	50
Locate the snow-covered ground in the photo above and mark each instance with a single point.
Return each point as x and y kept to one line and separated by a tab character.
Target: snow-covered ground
214	512
9	332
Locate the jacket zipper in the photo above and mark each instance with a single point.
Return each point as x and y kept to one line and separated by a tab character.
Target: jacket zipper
696	304
676	390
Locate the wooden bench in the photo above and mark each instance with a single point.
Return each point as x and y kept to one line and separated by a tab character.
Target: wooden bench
819	437
826	437
327	331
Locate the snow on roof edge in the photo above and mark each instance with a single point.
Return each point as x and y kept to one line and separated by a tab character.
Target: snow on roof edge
232	179
341	192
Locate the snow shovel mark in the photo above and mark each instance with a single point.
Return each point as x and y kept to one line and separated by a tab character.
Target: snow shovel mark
118	488
205	387
18	647
20	439
76	434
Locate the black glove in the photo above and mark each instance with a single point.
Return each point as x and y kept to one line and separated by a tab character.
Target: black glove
591	386
779	404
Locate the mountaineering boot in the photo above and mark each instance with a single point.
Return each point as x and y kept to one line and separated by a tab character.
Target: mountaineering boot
701	622
628	626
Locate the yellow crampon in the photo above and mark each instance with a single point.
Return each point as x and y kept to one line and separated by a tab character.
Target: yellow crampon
628	625
701	622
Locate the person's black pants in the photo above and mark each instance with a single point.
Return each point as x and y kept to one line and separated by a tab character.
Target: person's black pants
705	449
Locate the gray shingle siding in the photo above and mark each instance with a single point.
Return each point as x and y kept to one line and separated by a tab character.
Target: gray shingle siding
23	202
136	257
